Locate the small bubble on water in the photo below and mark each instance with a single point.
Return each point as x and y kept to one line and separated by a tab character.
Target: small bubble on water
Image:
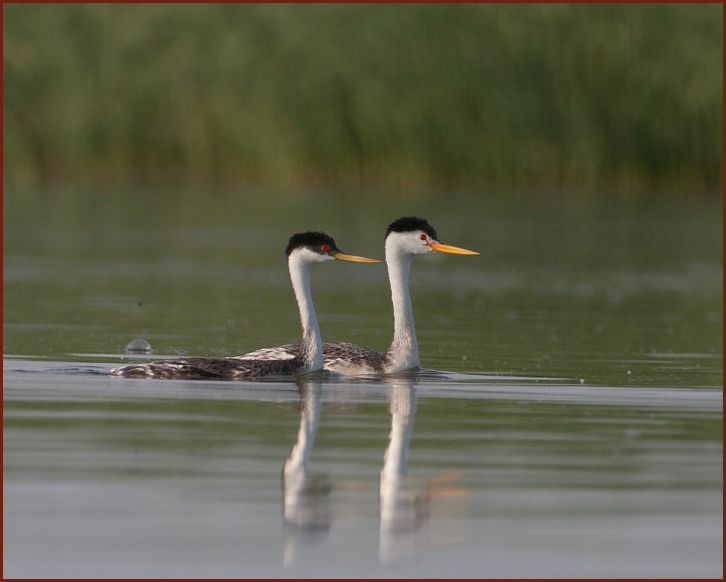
138	346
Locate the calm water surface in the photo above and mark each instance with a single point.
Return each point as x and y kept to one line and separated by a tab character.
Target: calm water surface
577	430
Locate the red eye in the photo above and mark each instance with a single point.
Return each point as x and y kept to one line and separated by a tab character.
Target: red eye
325	248
423	237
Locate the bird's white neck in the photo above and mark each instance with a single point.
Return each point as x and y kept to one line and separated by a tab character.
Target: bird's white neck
311	345
404	347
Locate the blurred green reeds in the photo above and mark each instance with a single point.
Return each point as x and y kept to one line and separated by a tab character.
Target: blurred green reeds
580	97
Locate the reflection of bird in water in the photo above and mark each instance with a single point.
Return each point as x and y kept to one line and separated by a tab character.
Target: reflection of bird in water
307	515
404	507
303	250
405	238
402	510
306	510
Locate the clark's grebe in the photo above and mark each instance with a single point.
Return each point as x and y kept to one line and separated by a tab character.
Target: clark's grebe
405	237
303	250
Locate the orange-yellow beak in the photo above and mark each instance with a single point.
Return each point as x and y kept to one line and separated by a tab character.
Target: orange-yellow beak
439	248
353	258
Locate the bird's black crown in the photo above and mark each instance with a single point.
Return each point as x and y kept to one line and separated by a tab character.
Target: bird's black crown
315	240
411	224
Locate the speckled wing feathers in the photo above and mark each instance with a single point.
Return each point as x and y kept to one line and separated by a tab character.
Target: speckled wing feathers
286	352
210	369
341	357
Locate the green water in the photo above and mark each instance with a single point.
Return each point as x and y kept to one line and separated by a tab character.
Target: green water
581	290
577	431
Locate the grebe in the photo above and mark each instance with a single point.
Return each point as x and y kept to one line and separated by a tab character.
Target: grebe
303	250
406	237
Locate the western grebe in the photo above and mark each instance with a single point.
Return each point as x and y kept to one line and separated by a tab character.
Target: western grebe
406	237
303	250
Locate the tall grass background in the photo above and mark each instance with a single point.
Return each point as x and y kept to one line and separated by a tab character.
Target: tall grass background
583	98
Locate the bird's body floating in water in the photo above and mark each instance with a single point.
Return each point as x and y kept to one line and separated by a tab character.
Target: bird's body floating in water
303	251
405	238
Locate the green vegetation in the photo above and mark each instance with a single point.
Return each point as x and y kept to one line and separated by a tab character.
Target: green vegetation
587	98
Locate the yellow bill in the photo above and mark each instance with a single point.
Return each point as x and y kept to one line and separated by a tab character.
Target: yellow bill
353	258
439	248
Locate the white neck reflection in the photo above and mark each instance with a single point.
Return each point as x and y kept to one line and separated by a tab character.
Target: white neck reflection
404	506
402	509
306	505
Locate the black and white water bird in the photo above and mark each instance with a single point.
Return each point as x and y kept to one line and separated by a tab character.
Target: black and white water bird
304	250
405	238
